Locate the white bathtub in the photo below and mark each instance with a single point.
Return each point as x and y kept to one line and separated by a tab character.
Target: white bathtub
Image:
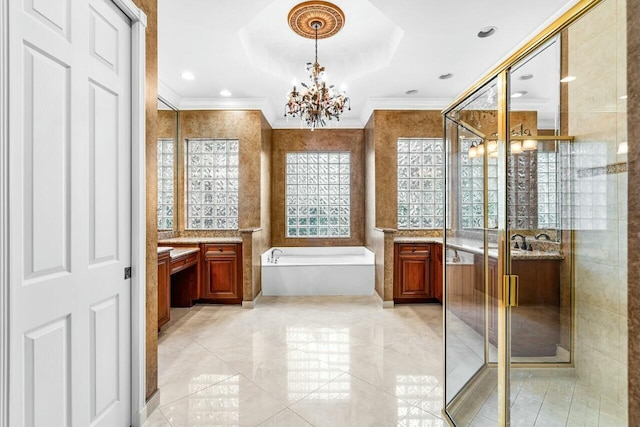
338	270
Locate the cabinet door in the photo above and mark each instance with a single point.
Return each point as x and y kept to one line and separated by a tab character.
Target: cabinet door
164	290
437	271
415	277
223	276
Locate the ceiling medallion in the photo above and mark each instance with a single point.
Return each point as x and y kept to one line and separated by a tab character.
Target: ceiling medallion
303	15
316	102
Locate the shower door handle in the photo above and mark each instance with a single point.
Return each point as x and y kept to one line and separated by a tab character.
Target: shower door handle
510	290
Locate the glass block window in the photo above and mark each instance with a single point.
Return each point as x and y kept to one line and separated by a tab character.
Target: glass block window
547	191
318	193
421	195
212	184
165	183
471	188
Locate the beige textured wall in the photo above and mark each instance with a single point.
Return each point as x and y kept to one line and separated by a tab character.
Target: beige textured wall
167	124
288	140
597	118
262	238
150	8
246	126
388	127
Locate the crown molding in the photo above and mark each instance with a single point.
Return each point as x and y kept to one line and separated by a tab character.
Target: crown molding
261	104
372	104
169	95
295	123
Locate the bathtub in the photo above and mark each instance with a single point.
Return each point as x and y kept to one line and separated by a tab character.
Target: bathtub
341	270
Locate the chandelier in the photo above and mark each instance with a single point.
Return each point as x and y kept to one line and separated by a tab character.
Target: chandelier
316	102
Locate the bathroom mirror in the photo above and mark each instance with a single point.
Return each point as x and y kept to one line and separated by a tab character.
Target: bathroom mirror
167	147
536	138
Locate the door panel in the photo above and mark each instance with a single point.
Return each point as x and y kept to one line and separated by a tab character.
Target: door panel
47	361
70	213
45	163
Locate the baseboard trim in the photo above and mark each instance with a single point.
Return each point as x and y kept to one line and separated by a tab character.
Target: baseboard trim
252	304
384	304
152	404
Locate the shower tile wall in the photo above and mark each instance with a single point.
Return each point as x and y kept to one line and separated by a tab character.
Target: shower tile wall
597	118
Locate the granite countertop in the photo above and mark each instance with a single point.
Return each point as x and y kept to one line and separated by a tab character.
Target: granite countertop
163	249
198	240
178	252
477	247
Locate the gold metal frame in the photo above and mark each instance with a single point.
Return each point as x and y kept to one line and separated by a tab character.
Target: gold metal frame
500	72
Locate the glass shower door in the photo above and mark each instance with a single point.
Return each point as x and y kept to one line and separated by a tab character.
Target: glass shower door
471	243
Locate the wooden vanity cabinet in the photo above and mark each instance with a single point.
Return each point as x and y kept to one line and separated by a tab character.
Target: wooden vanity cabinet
222	279
437	271
414	270
164	288
535	322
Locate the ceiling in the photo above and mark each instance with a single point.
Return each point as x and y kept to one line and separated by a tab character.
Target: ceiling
386	48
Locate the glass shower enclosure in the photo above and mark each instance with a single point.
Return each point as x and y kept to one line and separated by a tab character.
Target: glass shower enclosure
535	177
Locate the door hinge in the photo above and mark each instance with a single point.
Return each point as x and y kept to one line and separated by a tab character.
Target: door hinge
510	290
127	273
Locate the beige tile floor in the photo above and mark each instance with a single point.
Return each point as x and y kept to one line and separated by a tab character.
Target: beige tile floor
341	361
301	361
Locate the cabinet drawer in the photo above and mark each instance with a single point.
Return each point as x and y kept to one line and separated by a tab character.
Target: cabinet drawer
212	250
423	249
179	263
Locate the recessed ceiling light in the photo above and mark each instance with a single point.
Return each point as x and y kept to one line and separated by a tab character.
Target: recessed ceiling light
225	92
487	32
445	76
525	77
623	97
412	92
568	79
188	75
519	93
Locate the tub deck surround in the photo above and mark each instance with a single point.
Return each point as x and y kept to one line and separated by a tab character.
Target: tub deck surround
340	270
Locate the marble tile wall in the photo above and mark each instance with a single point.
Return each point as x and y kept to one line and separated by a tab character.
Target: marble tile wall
597	118
633	208
290	140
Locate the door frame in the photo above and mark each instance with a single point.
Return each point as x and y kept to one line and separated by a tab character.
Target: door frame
138	210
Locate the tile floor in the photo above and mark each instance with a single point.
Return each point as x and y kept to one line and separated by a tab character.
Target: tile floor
340	361
301	361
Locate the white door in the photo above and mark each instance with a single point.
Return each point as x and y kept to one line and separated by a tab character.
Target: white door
70	213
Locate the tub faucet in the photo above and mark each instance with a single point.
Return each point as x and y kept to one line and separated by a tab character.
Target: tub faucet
273	258
545	235
456	257
523	245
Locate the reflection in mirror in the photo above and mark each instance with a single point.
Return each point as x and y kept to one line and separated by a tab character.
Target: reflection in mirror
167	137
533	182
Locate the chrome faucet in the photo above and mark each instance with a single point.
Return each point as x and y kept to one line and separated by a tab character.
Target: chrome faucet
456	257
545	235
523	245
273	258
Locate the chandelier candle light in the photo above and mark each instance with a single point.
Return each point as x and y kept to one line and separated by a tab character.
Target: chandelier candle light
316	102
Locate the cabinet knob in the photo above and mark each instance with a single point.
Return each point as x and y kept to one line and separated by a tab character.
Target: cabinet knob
219	249
414	249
